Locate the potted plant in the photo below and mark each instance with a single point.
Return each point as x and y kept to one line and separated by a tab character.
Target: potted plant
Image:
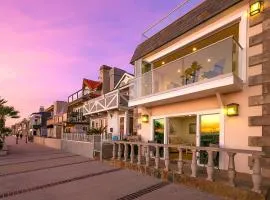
191	73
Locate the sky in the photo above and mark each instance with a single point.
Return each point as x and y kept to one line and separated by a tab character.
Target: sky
48	46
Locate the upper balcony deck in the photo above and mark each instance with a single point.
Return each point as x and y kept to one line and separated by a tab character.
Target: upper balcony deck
207	71
112	100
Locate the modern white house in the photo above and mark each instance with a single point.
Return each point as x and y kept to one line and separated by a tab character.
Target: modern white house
201	80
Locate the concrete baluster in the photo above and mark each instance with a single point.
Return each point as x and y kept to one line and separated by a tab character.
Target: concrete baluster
157	157
167	159
119	151
114	151
231	169
180	162
194	163
139	155
147	156
256	175
125	152
210	166
131	153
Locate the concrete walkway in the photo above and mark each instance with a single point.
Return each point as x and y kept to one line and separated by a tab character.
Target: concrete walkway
33	172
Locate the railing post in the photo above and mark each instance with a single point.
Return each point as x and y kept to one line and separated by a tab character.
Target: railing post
210	166
147	156
139	155
194	163
131	153
256	175
126	152
119	151
167	159
180	162
231	169
157	157
114	153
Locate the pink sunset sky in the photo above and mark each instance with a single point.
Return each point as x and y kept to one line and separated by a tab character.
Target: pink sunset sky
48	47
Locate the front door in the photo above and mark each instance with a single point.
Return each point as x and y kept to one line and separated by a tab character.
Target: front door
122	127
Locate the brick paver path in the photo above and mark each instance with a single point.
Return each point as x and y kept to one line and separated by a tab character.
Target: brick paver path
34	172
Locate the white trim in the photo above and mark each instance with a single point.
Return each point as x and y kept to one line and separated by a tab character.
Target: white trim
214	83
122	78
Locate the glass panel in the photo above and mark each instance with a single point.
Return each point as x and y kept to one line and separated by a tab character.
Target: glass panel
209	136
210	62
159	130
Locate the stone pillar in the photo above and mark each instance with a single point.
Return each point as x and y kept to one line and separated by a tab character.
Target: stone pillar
262	62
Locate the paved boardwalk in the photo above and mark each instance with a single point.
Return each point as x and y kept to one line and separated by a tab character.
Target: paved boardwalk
34	172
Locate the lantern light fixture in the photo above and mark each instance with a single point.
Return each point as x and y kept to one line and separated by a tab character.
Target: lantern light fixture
145	118
232	109
256	8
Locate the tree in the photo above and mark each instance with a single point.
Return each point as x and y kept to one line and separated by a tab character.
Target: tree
6	112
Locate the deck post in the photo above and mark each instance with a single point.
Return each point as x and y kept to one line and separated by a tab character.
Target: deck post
147	156
231	169
256	175
180	161
119	151
194	163
210	166
125	152
114	153
139	154
131	153
167	159
157	158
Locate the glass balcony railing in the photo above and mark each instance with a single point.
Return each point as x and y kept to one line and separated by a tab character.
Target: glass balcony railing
212	61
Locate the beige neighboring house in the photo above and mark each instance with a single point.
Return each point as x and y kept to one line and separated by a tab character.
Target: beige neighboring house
206	81
55	121
110	110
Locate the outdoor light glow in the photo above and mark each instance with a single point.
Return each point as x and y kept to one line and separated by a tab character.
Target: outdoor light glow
145	118
256	8
163	63
179	70
194	49
232	109
208	60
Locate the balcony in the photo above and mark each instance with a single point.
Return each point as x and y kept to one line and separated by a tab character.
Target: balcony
112	100
55	120
76	118
205	72
82	95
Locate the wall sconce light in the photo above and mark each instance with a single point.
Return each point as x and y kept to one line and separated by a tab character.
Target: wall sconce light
145	118
232	109
256	8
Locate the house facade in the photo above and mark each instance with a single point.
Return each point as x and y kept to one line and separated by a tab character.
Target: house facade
38	122
74	121
55	121
205	82
110	111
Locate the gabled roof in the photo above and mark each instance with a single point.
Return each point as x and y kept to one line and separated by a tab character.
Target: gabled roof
92	84
205	11
125	75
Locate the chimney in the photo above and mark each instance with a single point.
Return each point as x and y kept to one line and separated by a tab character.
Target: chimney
104	77
41	109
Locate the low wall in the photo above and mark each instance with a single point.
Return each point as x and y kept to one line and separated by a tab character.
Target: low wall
49	142
77	147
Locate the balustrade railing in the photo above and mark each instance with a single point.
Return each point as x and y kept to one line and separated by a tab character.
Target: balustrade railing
81	137
125	151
